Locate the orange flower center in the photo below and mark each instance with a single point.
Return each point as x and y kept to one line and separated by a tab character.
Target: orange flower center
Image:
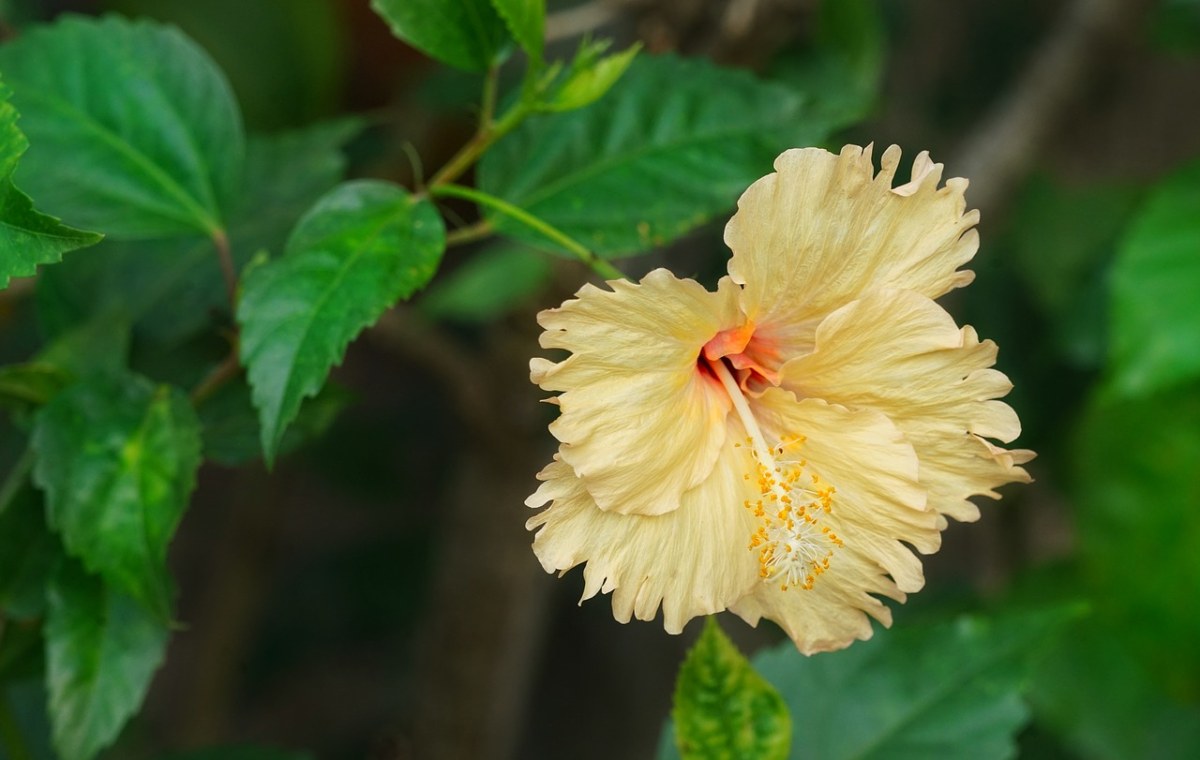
751	354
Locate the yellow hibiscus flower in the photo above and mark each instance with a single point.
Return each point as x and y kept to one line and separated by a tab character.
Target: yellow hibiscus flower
776	447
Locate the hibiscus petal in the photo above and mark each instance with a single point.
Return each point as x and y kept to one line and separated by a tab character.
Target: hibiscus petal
693	561
877	505
824	229
902	354
639	423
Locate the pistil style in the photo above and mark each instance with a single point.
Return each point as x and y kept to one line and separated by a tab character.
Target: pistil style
794	545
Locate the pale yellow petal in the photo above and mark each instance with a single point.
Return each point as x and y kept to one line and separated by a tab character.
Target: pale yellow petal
824	229
692	561
900	353
878	510
831	615
639	424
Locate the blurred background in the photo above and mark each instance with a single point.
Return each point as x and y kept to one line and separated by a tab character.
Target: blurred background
375	595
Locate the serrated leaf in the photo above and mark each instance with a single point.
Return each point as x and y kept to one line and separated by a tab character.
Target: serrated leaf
133	129
102	649
670	148
117	459
468	34
361	248
724	710
172	288
28	238
526	20
1155	322
951	690
489	284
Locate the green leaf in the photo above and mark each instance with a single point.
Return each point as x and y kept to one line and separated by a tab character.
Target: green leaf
1136	485
117	459
133	130
669	149
468	34
1155	322
27	238
488	285
526	20
231	430
102	649
28	552
951	690
1101	701
946	691
724	710
589	77
840	72
172	288
363	247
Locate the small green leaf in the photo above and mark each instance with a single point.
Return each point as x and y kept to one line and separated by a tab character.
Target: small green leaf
102	649
590	76
27	238
133	129
724	710
489	284
468	34
667	150
117	459
172	288
526	20
362	248
1155	322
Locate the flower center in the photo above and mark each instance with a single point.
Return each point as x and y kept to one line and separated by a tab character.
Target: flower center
793	543
746	352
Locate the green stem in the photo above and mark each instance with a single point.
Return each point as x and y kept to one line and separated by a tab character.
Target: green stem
489	132
469	233
598	265
10	733
228	269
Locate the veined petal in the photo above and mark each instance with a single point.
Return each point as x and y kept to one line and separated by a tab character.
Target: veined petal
900	353
877	507
831	615
693	561
825	229
639	424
